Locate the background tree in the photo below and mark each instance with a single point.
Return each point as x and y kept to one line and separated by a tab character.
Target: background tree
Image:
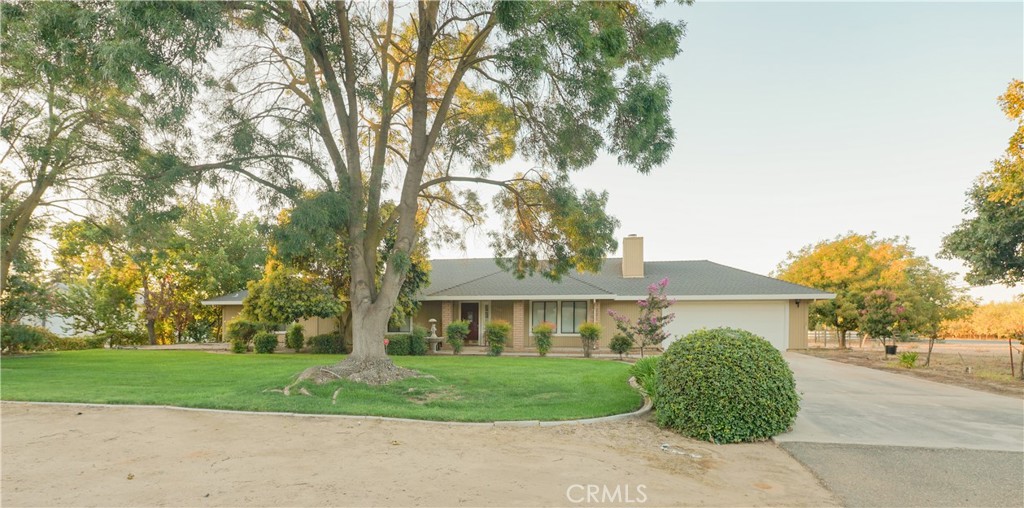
883	316
851	266
286	295
27	293
991	239
85	85
396	107
170	260
99	284
932	299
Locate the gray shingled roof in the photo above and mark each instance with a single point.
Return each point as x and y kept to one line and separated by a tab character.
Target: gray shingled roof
481	277
228	299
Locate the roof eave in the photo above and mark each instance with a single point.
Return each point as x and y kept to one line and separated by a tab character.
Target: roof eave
814	296
221	302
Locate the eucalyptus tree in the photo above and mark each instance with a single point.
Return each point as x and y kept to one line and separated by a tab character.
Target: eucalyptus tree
84	86
403	110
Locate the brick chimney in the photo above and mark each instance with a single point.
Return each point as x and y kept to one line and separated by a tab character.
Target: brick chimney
633	257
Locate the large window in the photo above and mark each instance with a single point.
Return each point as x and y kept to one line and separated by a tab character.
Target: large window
403	325
566	316
574	314
544	311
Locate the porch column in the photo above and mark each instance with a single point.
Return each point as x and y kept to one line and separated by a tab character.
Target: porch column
447	316
518	330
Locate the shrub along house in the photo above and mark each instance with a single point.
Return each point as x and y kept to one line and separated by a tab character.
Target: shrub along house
706	294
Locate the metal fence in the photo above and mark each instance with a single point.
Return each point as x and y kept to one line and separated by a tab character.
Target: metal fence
824	338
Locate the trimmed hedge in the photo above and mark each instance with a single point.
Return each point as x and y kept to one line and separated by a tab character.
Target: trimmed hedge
620	344
264	342
244	330
455	335
125	337
397	345
497	333
590	333
542	337
293	337
418	341
75	343
326	344
15	338
725	385
413	344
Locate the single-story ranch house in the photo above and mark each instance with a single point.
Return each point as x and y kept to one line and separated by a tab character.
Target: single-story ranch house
707	295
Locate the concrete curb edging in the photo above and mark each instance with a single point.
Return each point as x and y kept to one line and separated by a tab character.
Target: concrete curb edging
647	406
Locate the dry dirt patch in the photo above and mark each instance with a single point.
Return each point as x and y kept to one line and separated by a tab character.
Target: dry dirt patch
77	455
988	371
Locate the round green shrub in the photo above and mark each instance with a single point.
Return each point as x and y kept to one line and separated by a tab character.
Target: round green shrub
244	330
239	346
264	342
294	338
497	333
725	385
589	334
455	333
542	337
620	344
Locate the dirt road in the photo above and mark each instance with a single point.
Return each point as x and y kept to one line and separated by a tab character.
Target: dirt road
120	456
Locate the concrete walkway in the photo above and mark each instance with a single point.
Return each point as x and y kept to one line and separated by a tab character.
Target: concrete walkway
847	404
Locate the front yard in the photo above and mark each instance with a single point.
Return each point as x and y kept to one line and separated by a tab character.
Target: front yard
460	389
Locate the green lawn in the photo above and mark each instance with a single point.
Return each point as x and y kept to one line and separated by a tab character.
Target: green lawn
465	389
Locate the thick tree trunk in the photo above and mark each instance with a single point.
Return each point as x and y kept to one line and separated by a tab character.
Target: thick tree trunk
151	331
368	329
842	339
147	309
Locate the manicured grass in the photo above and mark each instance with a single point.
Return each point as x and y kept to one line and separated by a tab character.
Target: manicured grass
462	388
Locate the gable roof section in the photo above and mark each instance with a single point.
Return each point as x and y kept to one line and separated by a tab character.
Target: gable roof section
481	279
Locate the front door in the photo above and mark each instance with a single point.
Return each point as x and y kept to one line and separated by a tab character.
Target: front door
471	312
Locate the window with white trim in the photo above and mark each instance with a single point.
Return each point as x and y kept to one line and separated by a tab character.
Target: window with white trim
574	314
544	311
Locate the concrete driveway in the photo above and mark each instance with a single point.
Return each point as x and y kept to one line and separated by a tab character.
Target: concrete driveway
847	404
880	439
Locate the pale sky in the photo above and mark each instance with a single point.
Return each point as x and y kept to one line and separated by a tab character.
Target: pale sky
796	122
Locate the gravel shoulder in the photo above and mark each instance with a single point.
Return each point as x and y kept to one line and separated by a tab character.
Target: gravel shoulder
126	456
863	475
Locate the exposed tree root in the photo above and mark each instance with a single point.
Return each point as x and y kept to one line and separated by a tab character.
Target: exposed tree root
372	371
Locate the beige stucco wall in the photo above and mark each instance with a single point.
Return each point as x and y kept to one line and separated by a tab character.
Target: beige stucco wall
318	326
501	310
228	313
798	324
428	311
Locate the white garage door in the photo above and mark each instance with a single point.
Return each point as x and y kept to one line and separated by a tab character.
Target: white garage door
767	319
